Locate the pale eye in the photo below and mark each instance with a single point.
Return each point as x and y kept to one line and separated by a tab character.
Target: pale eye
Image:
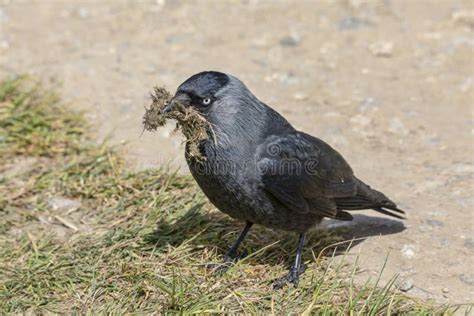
206	101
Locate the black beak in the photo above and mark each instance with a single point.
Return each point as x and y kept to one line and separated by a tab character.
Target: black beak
178	98
170	106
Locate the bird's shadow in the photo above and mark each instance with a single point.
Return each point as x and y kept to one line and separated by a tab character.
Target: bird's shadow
216	231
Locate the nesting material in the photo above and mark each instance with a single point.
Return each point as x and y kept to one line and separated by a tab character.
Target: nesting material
194	127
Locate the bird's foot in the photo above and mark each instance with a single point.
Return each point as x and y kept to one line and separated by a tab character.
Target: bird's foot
229	260
292	277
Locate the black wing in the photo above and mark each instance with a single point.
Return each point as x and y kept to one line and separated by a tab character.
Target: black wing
305	174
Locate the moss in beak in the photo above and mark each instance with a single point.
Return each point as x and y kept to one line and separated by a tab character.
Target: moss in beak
192	124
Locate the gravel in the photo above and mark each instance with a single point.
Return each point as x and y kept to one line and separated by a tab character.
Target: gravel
406	285
467	278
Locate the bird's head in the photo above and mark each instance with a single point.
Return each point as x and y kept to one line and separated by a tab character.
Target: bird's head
213	94
234	113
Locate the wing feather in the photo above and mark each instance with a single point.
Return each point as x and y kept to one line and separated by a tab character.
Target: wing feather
305	174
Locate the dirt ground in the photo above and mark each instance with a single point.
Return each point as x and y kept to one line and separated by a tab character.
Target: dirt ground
390	84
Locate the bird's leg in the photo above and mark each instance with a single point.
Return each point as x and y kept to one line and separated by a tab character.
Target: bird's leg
296	269
231	255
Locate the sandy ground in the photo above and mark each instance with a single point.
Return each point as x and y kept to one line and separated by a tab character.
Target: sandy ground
390	84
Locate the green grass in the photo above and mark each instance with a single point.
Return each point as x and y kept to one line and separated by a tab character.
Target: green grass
139	241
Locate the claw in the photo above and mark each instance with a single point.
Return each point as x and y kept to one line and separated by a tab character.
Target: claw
292	277
219	268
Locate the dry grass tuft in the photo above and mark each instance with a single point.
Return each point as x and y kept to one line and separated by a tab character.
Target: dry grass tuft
194	127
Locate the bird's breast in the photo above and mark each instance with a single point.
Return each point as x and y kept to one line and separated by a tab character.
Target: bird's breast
228	183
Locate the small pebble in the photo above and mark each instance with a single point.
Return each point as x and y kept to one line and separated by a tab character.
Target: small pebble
463	168
260	42
381	49
464	18
352	23
63	204
467	278
178	38
368	104
83	13
434	140
299	96
290	40
158	6
4	44
335	135
406	285
407	271
3	16
469	243
397	127
434	223
408	251
355	4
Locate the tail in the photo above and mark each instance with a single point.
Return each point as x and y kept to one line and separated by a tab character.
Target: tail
368	198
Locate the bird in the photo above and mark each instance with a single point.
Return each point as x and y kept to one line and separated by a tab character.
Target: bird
259	169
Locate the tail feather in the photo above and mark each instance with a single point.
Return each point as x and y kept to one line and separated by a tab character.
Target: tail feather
368	198
343	216
386	212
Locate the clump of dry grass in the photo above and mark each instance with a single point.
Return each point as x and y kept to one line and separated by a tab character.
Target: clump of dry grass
28	126
139	241
194	127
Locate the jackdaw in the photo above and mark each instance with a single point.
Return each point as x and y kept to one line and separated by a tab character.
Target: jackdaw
259	169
